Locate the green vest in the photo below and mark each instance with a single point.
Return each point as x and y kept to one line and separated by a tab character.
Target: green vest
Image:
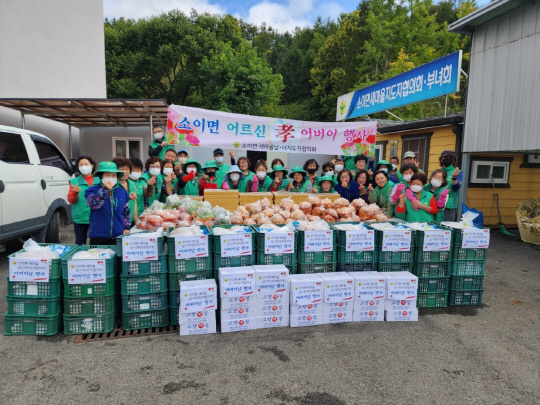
302	188
242	184
381	197
320	190
263	186
131	189
453	196
221	173
439	216
349	162
418	215
284	185
154	144
157	187
192	187
140	186
80	211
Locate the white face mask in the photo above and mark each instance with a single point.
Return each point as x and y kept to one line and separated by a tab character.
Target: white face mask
234	176
219	159
182	160
436	183
416	188
407	177
384	169
191	169
158	135
112	180
394	167
261	175
167	171
329	173
339	168
154	171
85	170
135	175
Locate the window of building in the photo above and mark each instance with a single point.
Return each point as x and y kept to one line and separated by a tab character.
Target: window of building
12	149
484	168
531	160
419	144
380	149
127	147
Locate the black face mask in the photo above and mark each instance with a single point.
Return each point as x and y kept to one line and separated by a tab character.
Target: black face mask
210	174
447	162
311	171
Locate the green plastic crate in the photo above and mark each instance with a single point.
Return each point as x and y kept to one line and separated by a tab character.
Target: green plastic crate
431	269
46	325
432	300
145	267
173	315
287	259
396	257
36	306
150	283
145	302
465	297
458	253
259	236
457	234
467	283
345	257
84	324
433	284
307	268
468	268
357	267
145	319
190	265
90	305
421	256
175	278
160	242
55	265
216	239
110	264
91	290
394	266
195	263
379	235
30	289
237	261
174	300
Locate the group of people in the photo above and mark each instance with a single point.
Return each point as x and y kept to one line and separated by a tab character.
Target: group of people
107	199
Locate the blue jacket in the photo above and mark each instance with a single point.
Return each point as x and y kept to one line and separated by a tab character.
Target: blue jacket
350	193
107	221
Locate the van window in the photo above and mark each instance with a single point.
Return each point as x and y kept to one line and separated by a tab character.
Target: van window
12	149
50	156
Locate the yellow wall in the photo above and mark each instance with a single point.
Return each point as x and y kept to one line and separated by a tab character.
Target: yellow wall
524	182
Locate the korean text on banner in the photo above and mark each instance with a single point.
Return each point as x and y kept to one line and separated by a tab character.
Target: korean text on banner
215	129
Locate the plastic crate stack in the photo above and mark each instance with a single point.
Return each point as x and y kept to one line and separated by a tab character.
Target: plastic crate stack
90	307
145	296
353	252
188	269
394	260
34	307
316	259
235	257
433	271
467	271
275	242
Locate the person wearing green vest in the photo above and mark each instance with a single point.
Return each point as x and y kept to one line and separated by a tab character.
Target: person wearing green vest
189	183
167	179
158	146
385	166
244	164
153	178
325	184
311	167
279	180
438	186
208	180
454	176
328	169
223	168
417	204
264	182
124	165
141	185
380	195
405	174
80	211
394	161
359	162
236	180
300	183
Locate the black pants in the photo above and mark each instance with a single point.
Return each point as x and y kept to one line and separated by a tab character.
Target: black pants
103	241
81	233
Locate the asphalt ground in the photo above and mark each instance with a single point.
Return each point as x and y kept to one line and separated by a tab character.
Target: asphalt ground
458	355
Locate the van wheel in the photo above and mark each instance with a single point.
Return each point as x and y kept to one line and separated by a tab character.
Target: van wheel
53	229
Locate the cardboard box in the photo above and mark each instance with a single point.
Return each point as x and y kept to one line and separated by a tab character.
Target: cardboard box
236	281
338	307
410	315
296	197
237	325
196	317
272	310
331	196
197	295
199	328
399	305
337	317
270	299
192	197
238	313
401	285
276	321
369	305
238	302
308	309
368	285
305	320
271	279
374	315
248	198
337	287
305	289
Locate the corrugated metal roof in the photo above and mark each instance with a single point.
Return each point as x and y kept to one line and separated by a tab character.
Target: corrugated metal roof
467	24
388	126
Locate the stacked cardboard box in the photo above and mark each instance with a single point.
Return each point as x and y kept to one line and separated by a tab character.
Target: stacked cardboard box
227	199
401	296
238	302
197	307
338	297
306	300
272	295
369	296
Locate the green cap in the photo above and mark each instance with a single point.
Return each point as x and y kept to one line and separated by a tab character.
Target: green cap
297	169
189	162
326	178
210	164
382	162
107	167
278	168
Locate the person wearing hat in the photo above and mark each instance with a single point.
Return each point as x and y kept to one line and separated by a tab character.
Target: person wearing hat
346	187
208	180
325	184
279	179
381	195
300	183
124	165
187	184
181	158
236	180
385	166
158	146
454	176
223	168
265	182
109	206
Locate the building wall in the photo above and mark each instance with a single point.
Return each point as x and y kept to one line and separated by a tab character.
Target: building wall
52	49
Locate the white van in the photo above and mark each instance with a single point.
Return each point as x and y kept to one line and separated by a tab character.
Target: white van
34	184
